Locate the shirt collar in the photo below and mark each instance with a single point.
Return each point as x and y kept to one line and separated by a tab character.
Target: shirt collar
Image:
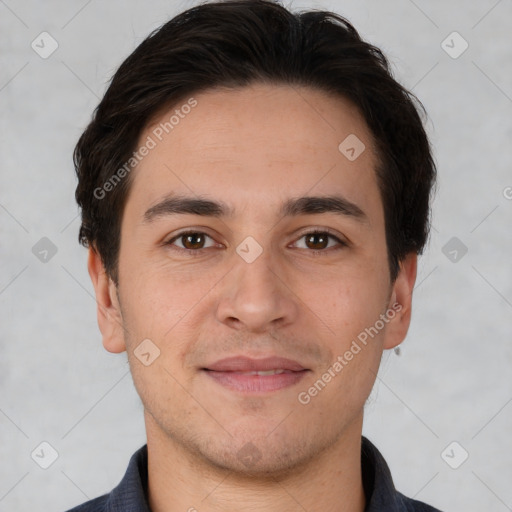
381	496
379	489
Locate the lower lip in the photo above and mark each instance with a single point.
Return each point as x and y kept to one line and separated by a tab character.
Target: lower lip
256	383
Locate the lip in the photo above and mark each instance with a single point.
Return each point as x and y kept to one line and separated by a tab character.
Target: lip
247	364
230	373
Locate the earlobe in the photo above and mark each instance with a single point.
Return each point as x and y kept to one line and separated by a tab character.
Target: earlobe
109	315
401	302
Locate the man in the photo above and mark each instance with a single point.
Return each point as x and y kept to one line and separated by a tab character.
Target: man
255	191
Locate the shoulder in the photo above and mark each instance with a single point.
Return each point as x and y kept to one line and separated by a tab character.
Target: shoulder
410	505
94	505
380	490
129	495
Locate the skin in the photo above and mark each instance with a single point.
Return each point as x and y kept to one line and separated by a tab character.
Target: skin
254	148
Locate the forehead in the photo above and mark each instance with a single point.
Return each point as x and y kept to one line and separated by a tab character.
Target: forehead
259	146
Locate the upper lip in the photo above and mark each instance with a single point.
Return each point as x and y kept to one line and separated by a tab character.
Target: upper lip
243	364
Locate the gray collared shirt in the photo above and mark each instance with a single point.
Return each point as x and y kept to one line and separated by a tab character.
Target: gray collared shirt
381	496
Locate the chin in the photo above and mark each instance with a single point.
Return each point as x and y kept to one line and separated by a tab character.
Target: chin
261	457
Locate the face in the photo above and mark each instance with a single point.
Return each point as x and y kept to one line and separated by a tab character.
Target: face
284	258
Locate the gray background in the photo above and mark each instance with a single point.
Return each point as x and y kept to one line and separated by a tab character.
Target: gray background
452	381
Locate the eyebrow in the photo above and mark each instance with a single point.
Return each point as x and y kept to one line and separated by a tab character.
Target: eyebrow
307	205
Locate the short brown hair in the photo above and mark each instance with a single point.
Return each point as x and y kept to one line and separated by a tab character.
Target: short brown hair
235	43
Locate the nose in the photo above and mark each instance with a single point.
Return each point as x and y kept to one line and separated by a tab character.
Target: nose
257	296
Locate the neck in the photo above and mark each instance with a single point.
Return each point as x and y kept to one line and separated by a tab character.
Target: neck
182	481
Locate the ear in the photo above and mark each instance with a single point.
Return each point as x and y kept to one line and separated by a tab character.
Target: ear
401	302
110	320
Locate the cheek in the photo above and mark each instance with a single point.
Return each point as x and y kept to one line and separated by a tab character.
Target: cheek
167	306
347	301
355	344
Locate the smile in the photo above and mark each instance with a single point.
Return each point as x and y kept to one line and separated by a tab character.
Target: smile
263	381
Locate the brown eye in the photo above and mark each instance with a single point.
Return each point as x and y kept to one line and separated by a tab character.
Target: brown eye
320	241
317	240
193	241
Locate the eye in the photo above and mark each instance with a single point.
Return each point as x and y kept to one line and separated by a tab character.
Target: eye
319	241
191	241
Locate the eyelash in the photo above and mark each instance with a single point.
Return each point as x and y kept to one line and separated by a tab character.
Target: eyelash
198	252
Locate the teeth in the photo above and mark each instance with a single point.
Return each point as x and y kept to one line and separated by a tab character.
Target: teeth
266	372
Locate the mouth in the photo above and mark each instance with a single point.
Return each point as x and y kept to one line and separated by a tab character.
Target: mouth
248	375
